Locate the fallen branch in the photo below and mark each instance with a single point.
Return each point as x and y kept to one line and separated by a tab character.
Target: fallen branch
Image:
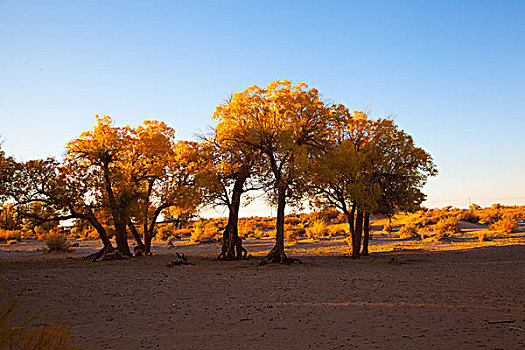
502	321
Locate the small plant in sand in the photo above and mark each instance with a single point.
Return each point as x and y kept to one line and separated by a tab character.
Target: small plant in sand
484	237
56	242
47	334
317	230
507	224
409	231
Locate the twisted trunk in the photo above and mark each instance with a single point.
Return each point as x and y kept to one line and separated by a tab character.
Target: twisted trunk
140	248
232	248
118	217
149	232
108	247
90	216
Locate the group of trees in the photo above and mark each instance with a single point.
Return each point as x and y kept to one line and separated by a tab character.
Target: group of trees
282	140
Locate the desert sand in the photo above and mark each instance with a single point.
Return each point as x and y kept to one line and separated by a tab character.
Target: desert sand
407	295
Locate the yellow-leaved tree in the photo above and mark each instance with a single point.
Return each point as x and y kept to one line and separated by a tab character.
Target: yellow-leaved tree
284	125
370	167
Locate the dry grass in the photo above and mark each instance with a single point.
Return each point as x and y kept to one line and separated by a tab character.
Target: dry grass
47	334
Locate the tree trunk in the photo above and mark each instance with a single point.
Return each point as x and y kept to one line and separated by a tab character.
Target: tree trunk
351	220
277	254
232	248
140	248
122	236
366	228
116	212
90	216
357	234
135	233
108	247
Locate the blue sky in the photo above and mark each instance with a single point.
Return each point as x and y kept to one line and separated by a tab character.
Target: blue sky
451	73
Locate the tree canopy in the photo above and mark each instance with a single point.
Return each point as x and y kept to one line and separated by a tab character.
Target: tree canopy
283	138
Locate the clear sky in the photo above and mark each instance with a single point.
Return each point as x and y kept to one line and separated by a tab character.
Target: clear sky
451	73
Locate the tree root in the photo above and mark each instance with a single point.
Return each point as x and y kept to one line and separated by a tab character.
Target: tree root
240	253
141	251
105	254
278	256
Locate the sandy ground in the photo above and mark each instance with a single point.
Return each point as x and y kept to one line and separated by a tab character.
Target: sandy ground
407	295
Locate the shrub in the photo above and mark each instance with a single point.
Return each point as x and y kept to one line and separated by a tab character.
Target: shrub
84	233
337	229
163	233
292	220
257	234
56	242
197	235
474	207
388	228
290	236
409	231
203	232
447	225
325	215
182	232
471	217
317	230
507	224
48	334
6	235
489	216
483	237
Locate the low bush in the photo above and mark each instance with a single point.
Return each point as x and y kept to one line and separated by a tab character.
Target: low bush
56	242
489	216
182	232
447	226
163	233
6	235
471	217
84	233
337	230
317	230
409	231
197	235
204	233
507	224
387	228
290	236
483	237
